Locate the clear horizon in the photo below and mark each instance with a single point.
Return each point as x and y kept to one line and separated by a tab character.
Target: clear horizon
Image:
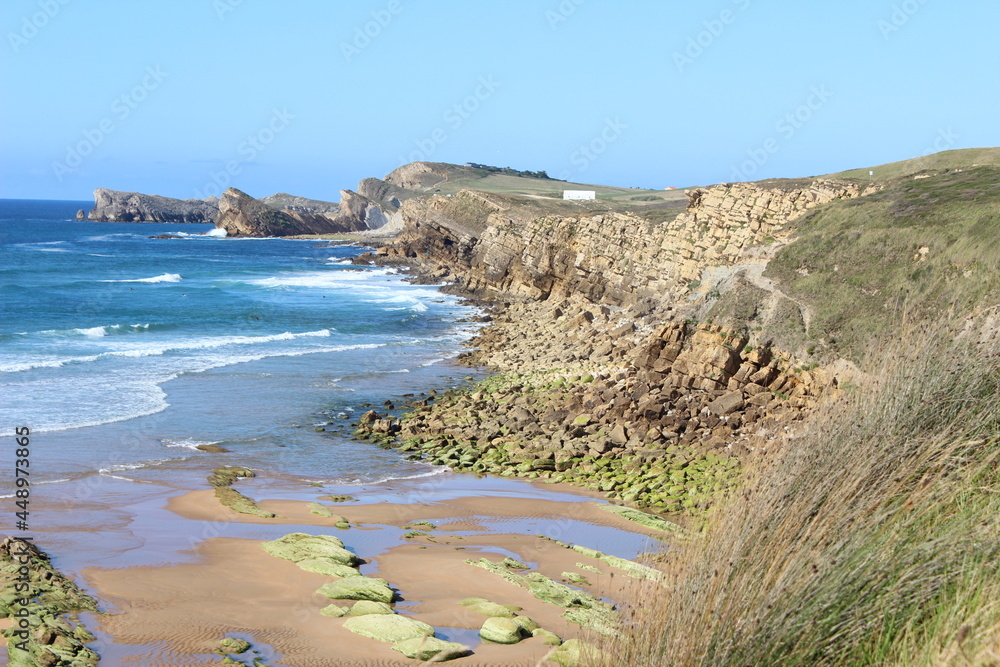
185	99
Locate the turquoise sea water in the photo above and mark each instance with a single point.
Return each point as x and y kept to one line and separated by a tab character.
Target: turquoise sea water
122	352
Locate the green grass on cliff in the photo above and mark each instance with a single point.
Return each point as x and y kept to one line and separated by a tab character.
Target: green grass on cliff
871	539
469	178
947	160
921	247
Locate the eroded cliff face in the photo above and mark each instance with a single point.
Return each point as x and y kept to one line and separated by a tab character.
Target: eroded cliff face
492	245
608	378
242	215
116	206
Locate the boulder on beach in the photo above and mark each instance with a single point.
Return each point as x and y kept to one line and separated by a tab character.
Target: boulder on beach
328	567
431	649
334	610
358	588
548	638
574	653
298	547
487	608
502	631
367	607
389	629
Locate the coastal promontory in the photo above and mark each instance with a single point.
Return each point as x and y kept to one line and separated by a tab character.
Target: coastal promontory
118	206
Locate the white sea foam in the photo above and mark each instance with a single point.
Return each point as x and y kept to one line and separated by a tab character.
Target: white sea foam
163	278
110	237
189	443
210	234
44	246
93	405
138	465
52	481
139	350
325	279
437	470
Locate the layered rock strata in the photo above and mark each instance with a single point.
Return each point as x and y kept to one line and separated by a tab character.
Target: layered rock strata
242	215
605	378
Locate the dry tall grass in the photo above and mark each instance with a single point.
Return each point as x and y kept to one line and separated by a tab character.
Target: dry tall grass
874	539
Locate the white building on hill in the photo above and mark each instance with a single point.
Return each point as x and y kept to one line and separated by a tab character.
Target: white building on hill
579	195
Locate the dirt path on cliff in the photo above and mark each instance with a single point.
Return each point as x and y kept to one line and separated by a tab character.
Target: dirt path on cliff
722	277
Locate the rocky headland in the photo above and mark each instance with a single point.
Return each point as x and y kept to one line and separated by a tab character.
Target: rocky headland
371	207
242	215
117	206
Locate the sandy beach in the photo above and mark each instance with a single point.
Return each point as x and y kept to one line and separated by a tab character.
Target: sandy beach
177	613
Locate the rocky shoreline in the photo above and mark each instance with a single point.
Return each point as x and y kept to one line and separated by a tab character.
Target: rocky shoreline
611	379
42	605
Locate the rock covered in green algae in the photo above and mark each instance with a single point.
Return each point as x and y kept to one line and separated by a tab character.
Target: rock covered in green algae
237	502
334	610
366	607
302	547
358	588
328	567
228	475
582	608
574	653
338	499
388	628
631	568
502	631
326	512
431	649
526	624
647	520
548	638
321	510
50	638
487	608
576	578
234	645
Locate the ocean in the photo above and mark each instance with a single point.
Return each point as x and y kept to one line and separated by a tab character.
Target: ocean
122	353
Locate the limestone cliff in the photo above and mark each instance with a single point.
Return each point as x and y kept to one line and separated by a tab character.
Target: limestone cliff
498	245
116	206
242	215
609	377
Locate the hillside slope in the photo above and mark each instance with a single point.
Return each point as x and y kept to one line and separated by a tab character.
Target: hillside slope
443	178
936	162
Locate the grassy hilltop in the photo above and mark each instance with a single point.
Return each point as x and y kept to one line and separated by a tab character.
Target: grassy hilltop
446	178
936	162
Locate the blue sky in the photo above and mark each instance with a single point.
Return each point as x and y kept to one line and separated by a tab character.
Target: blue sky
182	98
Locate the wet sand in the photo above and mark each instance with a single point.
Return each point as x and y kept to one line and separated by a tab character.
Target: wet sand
176	614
